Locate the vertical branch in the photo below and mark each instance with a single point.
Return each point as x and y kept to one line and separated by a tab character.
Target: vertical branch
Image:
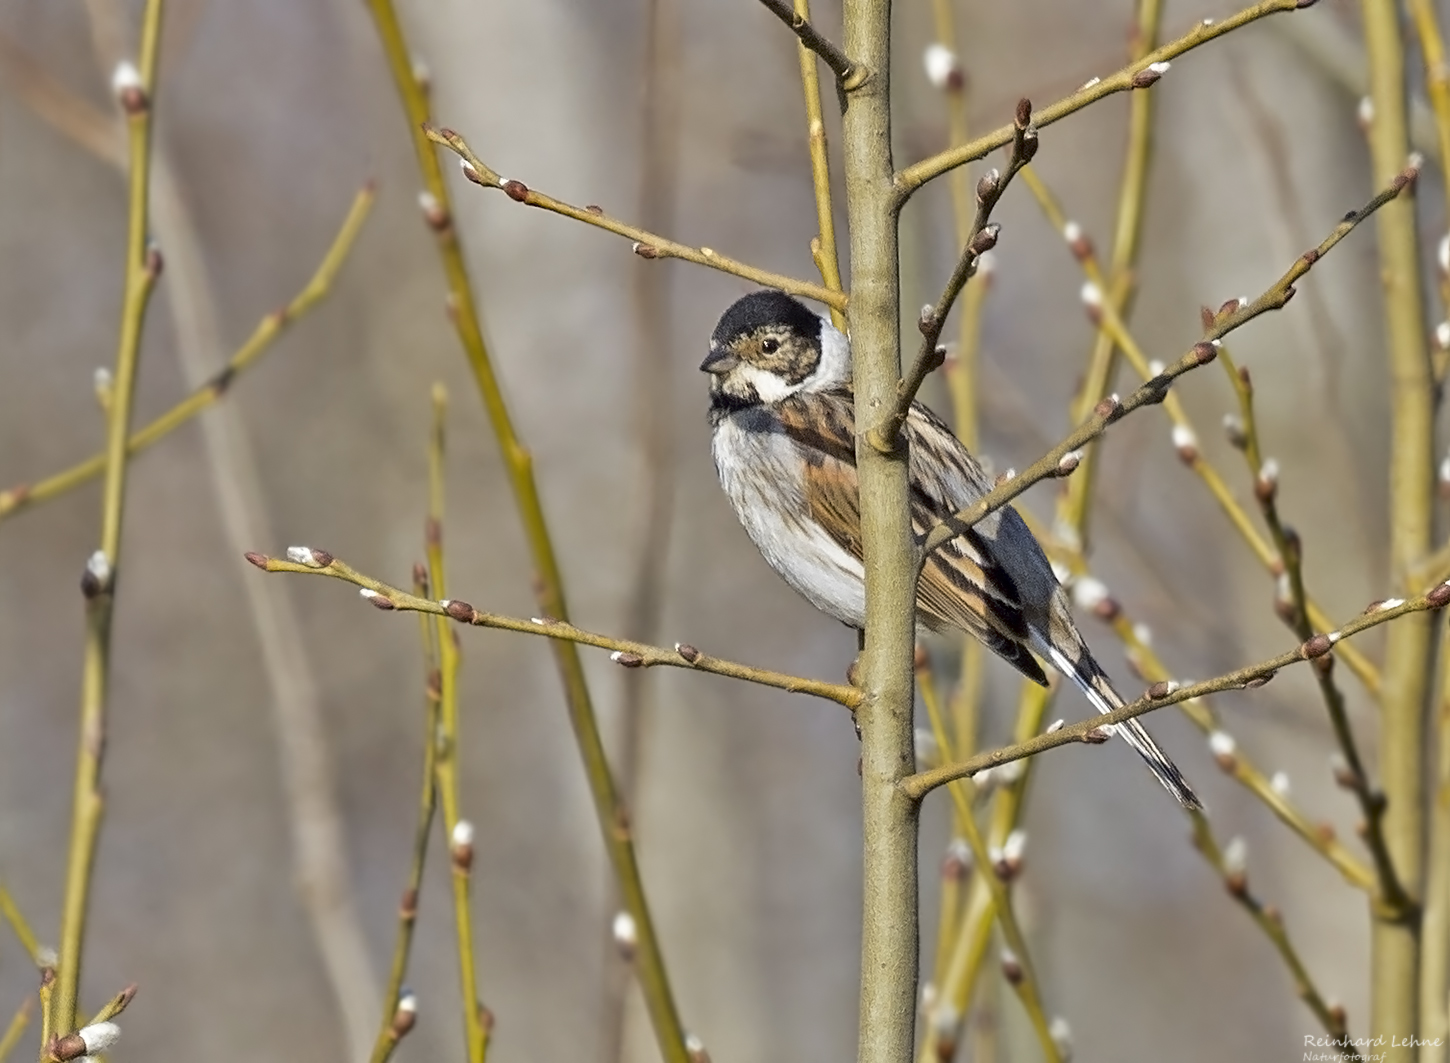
1394	951
135	91
458	830
399	1010
1435	925
519	464
654	425
823	248
1132	193
996	874
889	817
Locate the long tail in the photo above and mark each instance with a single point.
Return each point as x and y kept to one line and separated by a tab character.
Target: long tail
1094	683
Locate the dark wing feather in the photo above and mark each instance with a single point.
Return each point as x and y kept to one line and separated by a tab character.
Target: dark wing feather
960	587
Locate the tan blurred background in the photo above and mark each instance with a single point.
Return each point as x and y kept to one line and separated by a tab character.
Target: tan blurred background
271	113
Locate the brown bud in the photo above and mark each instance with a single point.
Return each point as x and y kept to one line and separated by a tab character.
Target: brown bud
1337	1014
460	611
626	659
1311	256
1011	968
688	652
986	239
1318	646
853	673
646	251
321	558
420	577
1438	595
1273	915
1029	145
594	208
378	601
1110	407
1096	737
516	190
1324	665
1160	690
1204	352
403	1020
60	1049
1237	883
989	184
1228	307
1107	608
408	906
1205	316
1022	118
1145	77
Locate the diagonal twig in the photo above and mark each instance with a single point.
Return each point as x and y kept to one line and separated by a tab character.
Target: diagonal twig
982	239
1161	695
849	75
646	244
1057	461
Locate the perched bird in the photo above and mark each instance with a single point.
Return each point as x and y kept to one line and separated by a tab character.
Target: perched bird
784	441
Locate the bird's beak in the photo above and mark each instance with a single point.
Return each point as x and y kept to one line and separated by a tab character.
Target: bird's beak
719	361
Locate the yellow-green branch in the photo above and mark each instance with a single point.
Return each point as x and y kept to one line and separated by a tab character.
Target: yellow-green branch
135	91
23	496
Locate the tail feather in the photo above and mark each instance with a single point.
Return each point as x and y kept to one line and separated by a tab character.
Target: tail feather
1094	683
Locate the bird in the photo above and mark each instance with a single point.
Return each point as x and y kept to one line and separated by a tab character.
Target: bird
783	437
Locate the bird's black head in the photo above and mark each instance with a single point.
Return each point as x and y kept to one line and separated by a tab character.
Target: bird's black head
766	346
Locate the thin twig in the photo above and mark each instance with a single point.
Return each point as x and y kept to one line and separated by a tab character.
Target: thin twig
1318	836
983	238
23	496
849	75
1295	614
626	653
398	1016
1271	922
16	1028
1153	391
1113	334
823	248
26	936
613	817
1161	695
646	244
1136	75
135	90
996	874
458	832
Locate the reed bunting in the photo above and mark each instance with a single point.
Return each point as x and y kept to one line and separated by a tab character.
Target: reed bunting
784	442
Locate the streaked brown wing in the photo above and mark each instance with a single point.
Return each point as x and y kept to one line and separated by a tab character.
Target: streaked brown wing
960	587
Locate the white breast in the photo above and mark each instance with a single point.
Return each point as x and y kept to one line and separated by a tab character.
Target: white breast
761	474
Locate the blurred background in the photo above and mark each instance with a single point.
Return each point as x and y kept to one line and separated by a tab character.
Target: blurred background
270	115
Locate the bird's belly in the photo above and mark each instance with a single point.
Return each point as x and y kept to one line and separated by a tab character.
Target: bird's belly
760	473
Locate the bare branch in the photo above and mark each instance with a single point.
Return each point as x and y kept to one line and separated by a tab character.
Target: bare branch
626	653
646	244
849	75
1161	695
934	318
1136	75
1109	410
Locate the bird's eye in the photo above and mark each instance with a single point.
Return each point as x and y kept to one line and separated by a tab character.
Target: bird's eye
770	345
